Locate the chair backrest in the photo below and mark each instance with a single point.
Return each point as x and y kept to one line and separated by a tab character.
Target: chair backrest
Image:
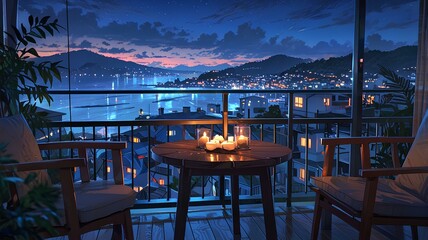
417	157
21	146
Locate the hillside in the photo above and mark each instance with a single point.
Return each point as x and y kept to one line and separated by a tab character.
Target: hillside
399	58
84	61
272	65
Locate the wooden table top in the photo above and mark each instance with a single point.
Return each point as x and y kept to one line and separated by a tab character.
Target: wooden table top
186	154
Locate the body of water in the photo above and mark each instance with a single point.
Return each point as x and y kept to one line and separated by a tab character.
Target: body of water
126	106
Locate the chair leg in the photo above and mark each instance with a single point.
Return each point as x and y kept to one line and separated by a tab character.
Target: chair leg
415	235
73	235
117	232
127	226
317	217
365	228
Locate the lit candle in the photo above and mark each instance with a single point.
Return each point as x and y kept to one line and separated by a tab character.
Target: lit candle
242	142
212	145
219	138
228	145
203	140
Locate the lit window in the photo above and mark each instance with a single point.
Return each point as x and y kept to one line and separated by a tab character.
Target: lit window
161	181
326	101
108	169
298	102
172	133
303	142
136	140
128	170
302	174
349	101
370	99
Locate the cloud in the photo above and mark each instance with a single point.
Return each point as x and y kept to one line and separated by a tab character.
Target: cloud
54	45
237	9
83	44
244	41
167	49
142	55
381	5
115	50
375	42
105	43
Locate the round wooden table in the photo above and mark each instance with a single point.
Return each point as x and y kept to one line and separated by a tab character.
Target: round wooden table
193	161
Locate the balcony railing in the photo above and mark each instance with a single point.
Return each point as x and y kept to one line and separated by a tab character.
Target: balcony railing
156	182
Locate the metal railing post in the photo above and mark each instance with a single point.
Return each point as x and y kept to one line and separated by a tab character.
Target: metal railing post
290	145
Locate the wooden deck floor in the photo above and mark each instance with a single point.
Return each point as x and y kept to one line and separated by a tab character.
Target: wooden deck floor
213	222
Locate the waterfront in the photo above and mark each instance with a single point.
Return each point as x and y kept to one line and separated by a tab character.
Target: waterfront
126	106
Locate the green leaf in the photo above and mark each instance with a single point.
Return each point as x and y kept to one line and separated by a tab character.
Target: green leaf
44	19
30	20
23	29
19	36
34	34
41	32
49	29
30	39
33	52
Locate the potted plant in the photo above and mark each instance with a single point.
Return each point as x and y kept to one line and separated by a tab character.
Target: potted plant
23	81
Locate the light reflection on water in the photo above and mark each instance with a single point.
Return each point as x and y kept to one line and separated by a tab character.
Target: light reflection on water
127	106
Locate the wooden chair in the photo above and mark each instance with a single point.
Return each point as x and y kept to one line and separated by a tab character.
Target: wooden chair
83	206
372	199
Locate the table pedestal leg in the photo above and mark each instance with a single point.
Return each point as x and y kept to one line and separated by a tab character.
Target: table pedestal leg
182	204
235	207
269	213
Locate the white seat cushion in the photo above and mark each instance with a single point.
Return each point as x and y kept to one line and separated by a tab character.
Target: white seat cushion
417	156
391	199
97	199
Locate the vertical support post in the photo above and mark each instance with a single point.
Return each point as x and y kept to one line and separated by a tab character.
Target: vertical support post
9	19
225	113
290	145
357	83
2	29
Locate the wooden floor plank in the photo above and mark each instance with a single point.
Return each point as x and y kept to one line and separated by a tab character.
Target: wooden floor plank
252	229
105	233
220	228
90	235
168	230
201	230
211	222
144	231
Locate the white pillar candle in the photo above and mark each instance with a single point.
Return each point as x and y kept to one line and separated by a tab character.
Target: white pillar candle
228	145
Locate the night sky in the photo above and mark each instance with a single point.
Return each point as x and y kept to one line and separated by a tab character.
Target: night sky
169	33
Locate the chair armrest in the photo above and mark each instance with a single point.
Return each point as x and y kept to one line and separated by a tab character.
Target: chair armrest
81	146
378	172
45	164
332	143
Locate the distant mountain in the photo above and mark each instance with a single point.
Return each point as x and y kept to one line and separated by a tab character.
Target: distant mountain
399	58
272	65
84	61
201	68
